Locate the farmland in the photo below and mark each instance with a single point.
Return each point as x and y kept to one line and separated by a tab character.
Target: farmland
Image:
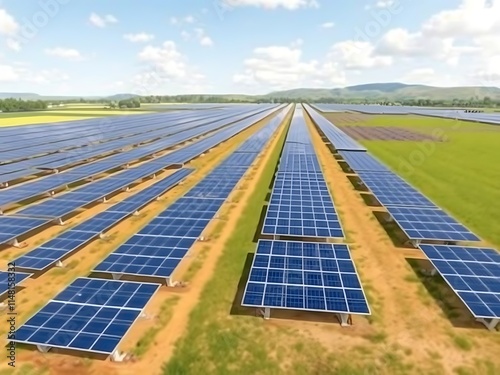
195	323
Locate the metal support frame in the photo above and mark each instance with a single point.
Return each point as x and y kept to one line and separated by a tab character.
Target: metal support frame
102	235
14	243
43	348
59	264
104	200
59	221
117	276
345	320
116	356
267	313
126	189
415	243
136	213
169	282
491	324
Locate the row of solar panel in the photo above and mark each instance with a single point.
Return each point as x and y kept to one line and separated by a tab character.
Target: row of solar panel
303	275
17	226
473	273
161	245
339	139
56	249
300	203
34	188
109	134
92	314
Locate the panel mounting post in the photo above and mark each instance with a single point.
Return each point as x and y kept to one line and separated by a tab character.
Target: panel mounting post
43	348
59	264
60	221
267	313
491	325
117	276
345	320
14	243
170	282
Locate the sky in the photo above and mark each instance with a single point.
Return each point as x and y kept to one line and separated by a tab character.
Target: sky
169	47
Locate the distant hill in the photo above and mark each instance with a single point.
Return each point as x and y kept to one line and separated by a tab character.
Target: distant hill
33	96
391	91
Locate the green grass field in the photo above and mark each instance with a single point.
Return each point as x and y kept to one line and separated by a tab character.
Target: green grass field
462	174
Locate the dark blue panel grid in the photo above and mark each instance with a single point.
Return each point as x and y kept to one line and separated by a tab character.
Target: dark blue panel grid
304	276
9	280
175	227
147	256
362	161
89	315
12	227
302	208
473	273
190	208
430	224
392	190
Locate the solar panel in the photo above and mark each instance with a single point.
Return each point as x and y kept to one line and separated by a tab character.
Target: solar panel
90	315
147	256
304	276
9	280
430	224
191	208
302	208
392	190
12	227
362	161
473	273
339	139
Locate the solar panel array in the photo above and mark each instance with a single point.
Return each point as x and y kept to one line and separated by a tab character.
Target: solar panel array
419	218
304	276
473	274
339	139
69	241
297	274
67	203
94	314
90	315
158	248
301	204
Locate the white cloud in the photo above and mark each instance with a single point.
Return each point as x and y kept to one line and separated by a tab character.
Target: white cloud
273	4
8	74
139	37
103	21
203	38
8	25
282	67
166	68
185	35
189	19
13	45
385	3
358	55
327	25
64	53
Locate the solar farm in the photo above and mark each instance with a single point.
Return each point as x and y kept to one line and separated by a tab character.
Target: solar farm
259	238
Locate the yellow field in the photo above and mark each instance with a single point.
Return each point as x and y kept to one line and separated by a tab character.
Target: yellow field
30	120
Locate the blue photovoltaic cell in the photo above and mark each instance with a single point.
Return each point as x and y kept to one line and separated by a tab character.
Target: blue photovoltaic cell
430	224
473	273
362	161
90	315
190	208
392	190
9	280
11	226
304	276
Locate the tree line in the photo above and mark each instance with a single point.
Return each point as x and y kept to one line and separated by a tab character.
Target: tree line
18	105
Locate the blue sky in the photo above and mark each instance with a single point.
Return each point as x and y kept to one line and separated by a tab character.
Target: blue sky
100	47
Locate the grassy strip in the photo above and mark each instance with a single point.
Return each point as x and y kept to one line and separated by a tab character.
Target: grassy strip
148	339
